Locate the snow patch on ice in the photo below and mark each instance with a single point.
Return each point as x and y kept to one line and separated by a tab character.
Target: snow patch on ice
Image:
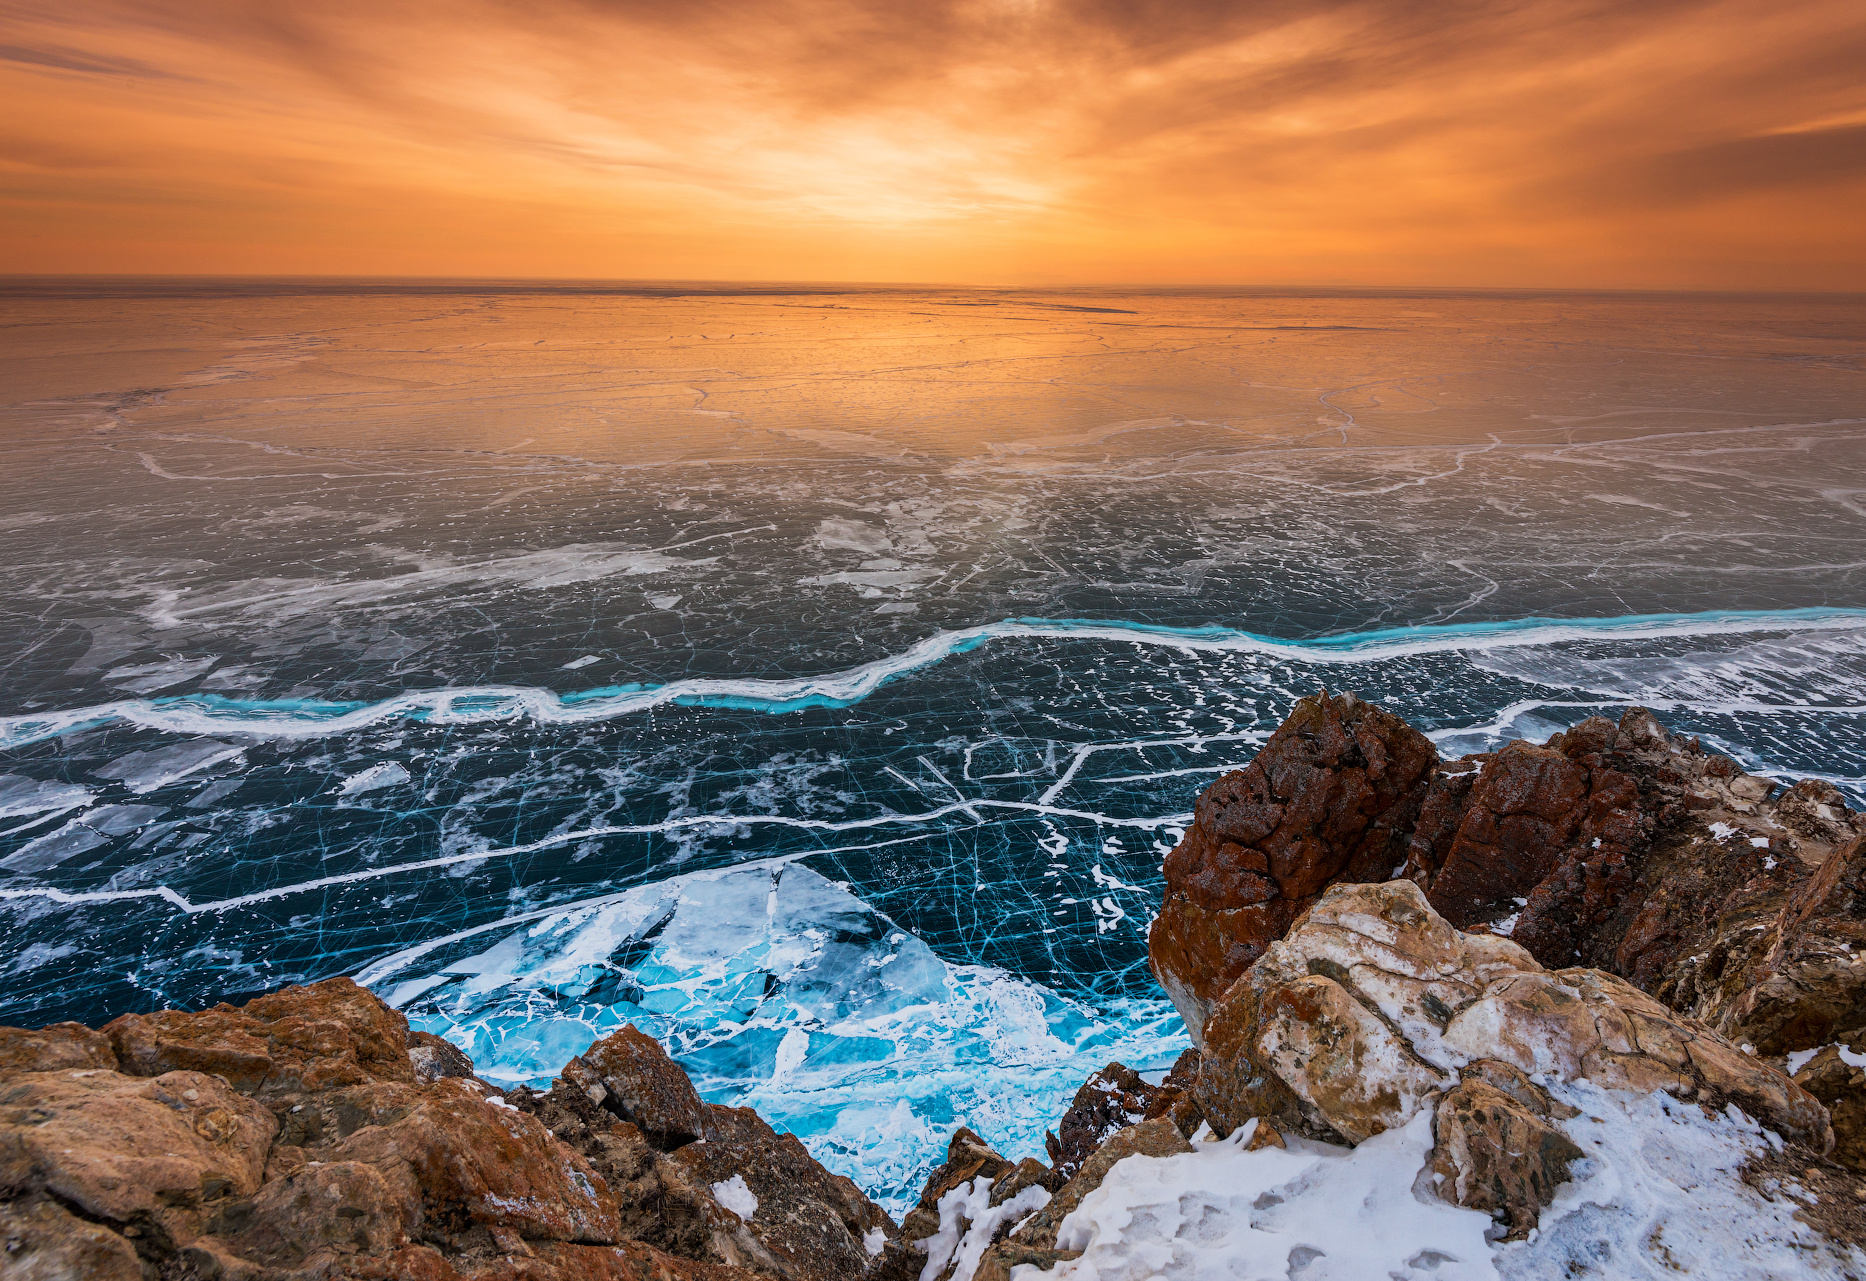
375	778
146	771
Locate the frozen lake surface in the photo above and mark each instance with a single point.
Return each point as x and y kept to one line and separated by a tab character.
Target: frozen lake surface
817	676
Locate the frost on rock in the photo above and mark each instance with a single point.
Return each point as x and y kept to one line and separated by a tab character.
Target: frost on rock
778	990
1658	1197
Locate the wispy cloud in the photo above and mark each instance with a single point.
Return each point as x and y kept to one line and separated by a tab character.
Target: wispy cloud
1673	142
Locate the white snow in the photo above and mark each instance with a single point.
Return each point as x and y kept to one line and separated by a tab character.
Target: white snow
1799	1058
875	1242
736	1197
146	771
375	778
965	1248
1658	1196
1310	1210
578	663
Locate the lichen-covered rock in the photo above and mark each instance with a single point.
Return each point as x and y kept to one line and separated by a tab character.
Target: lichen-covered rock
1498	1151
60	1047
317	1037
1374	1009
156	1156
645	1087
1332	795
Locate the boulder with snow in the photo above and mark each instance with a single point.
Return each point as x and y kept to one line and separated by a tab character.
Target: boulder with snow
1374	1011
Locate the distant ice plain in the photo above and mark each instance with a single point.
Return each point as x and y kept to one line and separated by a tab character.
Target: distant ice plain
343	620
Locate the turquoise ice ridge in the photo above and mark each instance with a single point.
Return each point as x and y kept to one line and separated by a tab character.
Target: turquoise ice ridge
310	718
777	989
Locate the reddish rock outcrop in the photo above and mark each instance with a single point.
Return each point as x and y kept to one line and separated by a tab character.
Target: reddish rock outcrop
1615	846
309	1134
1333	795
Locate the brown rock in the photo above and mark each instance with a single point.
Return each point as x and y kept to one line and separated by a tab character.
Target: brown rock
1498	1153
1115	1098
1352	1023
1334	1034
1778	970
1333	794
1841	1088
1519	815
1264	1135
156	1156
967	1157
644	1086
435	1059
818	1226
43	1241
1006	1255
458	1160
315	1037
391	1160
1615	846
1581	1022
60	1047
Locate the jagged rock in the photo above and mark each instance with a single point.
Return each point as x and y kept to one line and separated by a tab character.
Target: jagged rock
1335	1032
435	1058
313	1038
43	1241
1841	1087
151	1158
1333	794
818	1226
309	1134
655	1201
1115	1098
1616	846
1779	969
1366	1013
1020	1225
643	1086
1496	1151
970	1202
968	1157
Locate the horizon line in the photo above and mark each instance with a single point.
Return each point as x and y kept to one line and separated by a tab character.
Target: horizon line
778	283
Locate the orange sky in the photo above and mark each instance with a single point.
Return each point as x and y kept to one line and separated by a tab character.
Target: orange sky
1641	143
